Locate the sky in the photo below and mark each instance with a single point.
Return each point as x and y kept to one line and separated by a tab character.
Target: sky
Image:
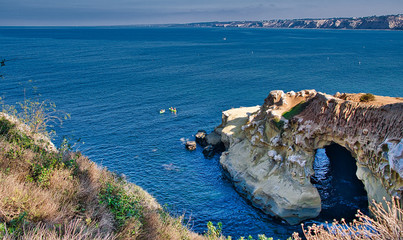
132	12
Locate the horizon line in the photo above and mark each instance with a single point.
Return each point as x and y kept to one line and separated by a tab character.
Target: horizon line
189	23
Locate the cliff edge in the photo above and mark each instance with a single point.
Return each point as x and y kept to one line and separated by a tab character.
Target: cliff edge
391	22
271	148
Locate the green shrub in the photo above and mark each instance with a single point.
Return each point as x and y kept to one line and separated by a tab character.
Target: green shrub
122	205
14	226
213	232
297	109
367	97
39	115
3	230
44	162
278	123
5	126
16	137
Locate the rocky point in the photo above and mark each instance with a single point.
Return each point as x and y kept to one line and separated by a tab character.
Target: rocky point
270	149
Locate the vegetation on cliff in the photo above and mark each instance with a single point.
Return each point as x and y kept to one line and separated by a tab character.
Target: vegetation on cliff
367	97
388	224
297	109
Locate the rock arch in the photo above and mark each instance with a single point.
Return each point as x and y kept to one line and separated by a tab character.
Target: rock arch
271	148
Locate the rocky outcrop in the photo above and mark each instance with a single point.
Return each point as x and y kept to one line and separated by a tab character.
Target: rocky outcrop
190	145
271	148
201	137
211	143
393	22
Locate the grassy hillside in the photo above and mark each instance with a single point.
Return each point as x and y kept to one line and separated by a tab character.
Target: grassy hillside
48	193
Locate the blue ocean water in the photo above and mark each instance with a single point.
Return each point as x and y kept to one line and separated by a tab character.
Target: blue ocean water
114	80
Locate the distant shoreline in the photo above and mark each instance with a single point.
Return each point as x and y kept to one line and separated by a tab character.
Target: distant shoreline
387	22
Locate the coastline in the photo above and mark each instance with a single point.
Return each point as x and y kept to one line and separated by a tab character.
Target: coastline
387	22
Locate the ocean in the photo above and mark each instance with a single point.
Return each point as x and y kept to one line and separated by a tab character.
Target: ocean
114	80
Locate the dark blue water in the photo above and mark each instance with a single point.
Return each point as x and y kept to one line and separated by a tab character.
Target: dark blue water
113	82
341	192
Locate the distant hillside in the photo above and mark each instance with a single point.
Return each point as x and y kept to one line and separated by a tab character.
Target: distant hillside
392	22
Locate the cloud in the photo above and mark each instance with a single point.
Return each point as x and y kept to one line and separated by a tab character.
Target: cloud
79	15
106	12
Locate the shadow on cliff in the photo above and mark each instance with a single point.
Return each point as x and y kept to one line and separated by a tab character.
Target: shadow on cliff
341	192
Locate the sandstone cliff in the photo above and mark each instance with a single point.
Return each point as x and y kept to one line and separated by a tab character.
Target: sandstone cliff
393	22
270	149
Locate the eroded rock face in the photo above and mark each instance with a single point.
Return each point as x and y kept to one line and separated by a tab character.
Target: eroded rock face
271	149
393	22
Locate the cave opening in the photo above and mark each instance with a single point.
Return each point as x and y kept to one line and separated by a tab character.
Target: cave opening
341	192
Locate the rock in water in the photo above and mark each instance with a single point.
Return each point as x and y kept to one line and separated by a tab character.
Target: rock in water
191	145
208	151
271	148
201	138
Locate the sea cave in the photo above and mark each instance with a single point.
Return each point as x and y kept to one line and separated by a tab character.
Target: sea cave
341	192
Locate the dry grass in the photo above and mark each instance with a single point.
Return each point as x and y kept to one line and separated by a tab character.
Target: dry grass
74	230
160	225
90	176
387	224
17	197
12	162
46	186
